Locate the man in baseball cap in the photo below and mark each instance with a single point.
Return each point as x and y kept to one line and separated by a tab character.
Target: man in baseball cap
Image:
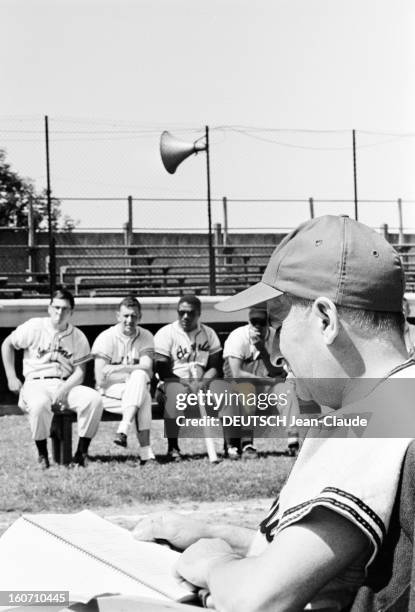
337	286
337	257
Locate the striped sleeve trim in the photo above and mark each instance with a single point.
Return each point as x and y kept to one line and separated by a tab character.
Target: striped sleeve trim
163	352
83	359
217	350
343	503
268	525
101	354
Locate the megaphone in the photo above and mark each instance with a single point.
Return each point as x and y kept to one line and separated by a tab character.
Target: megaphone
173	150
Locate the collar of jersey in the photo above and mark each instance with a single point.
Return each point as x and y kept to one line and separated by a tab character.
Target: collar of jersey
180	329
63	333
127	338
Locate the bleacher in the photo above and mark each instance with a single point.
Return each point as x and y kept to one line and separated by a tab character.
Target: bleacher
93	268
146	269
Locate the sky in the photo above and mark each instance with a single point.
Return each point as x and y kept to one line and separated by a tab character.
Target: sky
280	83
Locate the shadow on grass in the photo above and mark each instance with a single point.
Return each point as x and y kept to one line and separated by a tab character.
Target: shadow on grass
164	459
161	459
273	453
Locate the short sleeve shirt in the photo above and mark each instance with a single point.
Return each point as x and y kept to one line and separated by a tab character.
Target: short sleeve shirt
48	352
189	352
117	348
239	344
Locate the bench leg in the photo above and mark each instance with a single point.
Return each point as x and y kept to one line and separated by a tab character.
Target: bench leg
61	434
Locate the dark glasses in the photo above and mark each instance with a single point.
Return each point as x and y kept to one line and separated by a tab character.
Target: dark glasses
258	322
190	313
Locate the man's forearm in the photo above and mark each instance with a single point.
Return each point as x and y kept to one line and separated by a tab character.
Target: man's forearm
117	369
210	373
7	352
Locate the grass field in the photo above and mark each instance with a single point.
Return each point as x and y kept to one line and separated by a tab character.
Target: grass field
114	476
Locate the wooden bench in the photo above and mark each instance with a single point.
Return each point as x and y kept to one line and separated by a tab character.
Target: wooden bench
61	431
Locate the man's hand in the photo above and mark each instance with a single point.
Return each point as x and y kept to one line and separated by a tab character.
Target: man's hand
179	530
60	395
14	384
196	562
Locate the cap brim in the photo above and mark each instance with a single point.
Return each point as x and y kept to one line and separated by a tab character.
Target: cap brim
249	297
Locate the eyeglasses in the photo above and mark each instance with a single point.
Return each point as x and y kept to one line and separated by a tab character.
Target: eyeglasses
190	313
61	308
259	322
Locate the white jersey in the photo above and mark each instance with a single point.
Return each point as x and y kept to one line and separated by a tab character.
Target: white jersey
353	475
189	351
48	352
117	348
239	344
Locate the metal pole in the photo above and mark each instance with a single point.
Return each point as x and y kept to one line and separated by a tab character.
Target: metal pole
129	234
52	254
356	216
31	236
130	219
212	271
311	203
401	239
225	220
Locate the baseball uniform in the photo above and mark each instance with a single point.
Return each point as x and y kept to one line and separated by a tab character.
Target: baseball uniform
50	357
352	475
189	353
240	344
122	392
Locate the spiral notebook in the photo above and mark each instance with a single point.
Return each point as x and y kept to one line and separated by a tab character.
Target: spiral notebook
88	556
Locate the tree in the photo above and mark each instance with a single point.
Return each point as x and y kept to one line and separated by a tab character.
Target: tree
17	192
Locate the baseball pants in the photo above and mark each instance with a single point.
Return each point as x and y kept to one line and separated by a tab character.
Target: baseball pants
130	398
36	399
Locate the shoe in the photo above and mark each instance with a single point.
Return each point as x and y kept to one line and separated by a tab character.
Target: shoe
174	454
293	449
233	453
146	453
80	459
150	461
121	440
249	452
43	461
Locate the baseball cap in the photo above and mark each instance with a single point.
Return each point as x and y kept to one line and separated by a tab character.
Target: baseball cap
332	256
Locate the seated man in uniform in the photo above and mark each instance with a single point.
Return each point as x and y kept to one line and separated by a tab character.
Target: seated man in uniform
123	369
338	287
54	360
188	355
252	352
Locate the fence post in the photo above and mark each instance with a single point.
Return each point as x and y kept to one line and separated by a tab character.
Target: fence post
311	203
385	229
218	243
225	220
31	238
128	229
401	238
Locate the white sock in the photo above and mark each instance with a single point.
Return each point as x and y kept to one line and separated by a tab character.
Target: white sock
146	453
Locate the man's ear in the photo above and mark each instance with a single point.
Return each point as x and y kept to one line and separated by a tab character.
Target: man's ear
328	319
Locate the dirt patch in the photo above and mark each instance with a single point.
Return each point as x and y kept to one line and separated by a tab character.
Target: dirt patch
246	513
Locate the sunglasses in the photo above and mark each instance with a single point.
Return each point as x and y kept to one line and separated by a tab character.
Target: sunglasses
190	313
